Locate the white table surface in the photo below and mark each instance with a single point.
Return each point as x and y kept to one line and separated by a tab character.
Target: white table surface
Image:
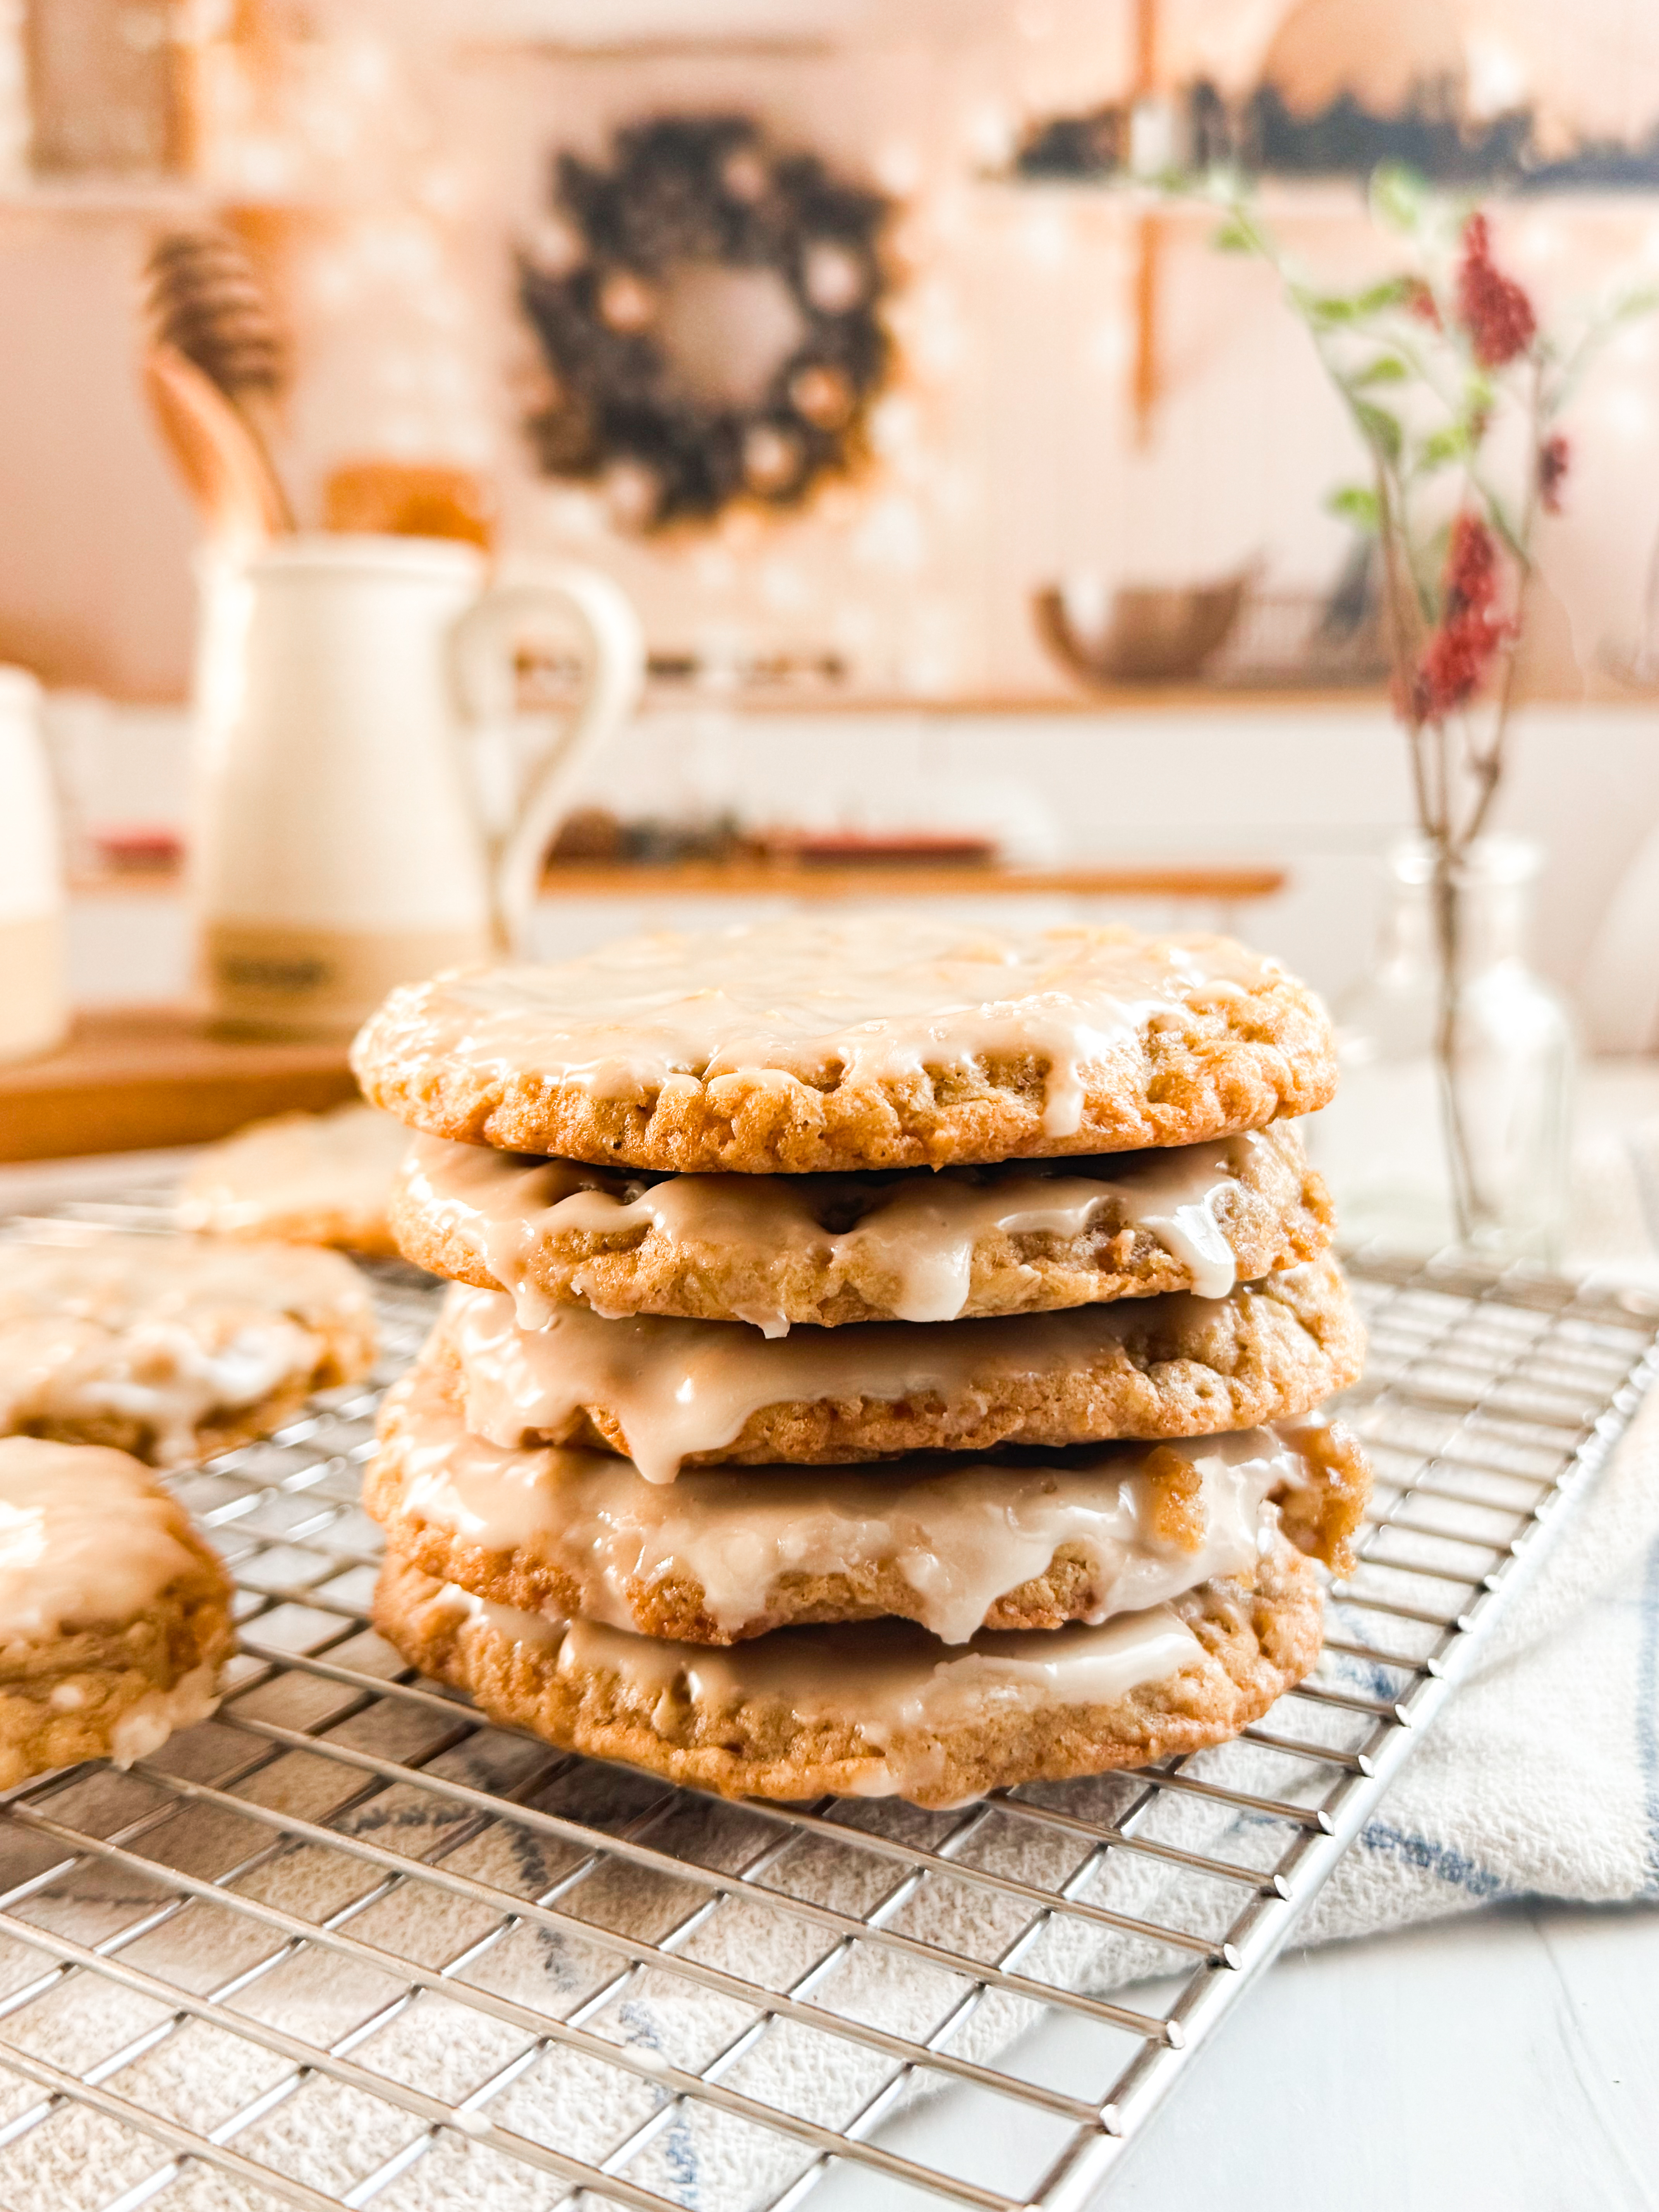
1507	2061
1503	2061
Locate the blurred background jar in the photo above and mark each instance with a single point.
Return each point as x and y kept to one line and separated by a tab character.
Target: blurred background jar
1424	1147
34	1003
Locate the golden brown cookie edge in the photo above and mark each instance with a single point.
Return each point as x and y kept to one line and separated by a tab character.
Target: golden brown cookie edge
531	1579
1259	1642
1304	1331
1200	1074
1034	1272
112	1667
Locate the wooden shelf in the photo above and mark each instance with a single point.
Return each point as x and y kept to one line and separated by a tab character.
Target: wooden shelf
802	880
131	1078
1101	700
145	198
794	879
166	881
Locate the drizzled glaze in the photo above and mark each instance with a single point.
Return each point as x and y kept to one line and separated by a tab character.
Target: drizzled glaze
295	1167
961	1533
86	1539
163	1331
916	1231
904	1692
860	1001
682	1388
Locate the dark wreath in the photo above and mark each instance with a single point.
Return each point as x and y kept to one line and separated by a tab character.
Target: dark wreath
684	190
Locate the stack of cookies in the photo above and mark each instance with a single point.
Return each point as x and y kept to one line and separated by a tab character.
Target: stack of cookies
886	1356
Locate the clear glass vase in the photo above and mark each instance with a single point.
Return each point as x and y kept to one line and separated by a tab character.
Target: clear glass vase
1452	1123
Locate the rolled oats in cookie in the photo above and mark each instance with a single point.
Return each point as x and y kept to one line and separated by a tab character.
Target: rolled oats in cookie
300	1179
114	1613
672	1393
875	1708
957	1542
878	1041
172	1347
914	1244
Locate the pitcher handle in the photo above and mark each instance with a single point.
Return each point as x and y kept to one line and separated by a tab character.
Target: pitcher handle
482	644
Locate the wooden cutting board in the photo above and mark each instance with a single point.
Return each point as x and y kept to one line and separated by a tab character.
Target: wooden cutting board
132	1078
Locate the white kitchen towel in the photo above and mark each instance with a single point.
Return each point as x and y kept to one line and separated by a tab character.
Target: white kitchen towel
1541	1776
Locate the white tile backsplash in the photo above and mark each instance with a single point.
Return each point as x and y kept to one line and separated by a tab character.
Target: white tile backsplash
1319	789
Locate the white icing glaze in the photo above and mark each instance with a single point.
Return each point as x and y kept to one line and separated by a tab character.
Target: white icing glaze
679	1387
871	1000
1173	1194
146	1726
916	1231
87	1538
296	1166
902	1689
161	1330
961	1531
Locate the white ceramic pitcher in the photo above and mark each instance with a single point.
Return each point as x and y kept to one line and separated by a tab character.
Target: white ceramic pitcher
340	846
33	1006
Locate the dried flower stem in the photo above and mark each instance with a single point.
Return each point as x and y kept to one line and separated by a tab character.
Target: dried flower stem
1452	346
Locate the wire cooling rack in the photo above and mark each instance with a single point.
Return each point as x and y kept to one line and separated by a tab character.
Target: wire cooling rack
348	1944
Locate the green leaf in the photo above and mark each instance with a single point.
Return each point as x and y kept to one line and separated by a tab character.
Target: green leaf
1441	447
1327	307
1233	237
1641	299
1379	429
1355	504
1397	196
1387	368
1390	293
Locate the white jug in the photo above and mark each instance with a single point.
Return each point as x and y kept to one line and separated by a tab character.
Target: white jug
340	846
33	1002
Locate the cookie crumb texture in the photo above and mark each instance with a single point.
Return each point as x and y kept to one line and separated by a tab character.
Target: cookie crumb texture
671	1394
172	1347
1245	1643
300	1179
920	1245
955	1543
883	1042
115	1615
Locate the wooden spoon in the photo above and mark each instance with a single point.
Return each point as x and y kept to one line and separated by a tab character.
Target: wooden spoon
230	478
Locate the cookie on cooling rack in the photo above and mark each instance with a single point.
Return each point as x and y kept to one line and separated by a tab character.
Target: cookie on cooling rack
914	1245
955	1542
172	1347
876	1708
300	1179
869	1042
114	1613
669	1394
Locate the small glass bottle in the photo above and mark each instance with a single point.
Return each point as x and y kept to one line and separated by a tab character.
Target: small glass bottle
1452	1123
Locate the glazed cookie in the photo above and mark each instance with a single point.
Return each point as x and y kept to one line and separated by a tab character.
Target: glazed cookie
172	1347
878	1041
669	1394
916	1245
300	1179
114	1615
875	1708
956	1543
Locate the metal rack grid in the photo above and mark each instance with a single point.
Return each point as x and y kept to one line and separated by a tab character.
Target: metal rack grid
348	1944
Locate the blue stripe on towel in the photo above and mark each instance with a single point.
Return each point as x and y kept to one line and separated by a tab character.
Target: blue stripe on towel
1444	1860
1647	1713
679	2149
